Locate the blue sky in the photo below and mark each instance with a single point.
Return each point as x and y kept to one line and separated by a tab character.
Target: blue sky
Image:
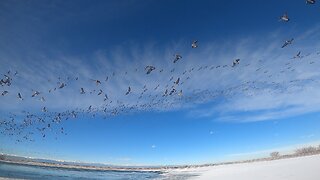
93	39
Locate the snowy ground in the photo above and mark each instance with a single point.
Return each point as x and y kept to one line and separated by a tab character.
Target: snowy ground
300	168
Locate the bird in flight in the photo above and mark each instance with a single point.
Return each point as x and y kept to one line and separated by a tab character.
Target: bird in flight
235	62
177	81
62	85
105	97
288	42
96	81
4	93
82	91
149	69
310	1
20	97
194	44
44	109
100	92
284	17
42	99
129	90
36	93
176	58
298	55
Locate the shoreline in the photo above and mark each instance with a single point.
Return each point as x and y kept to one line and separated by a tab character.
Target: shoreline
159	170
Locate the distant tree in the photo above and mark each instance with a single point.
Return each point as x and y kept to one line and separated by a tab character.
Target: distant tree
306	150
275	155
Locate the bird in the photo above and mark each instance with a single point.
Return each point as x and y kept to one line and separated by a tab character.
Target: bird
96	81
297	55
42	99
100	92
20	97
36	93
105	97
4	93
194	44
172	91
288	42
176	58
284	17
6	81
62	85
310	1
74	115
149	69
129	90
44	109
165	93
235	62
177	81
82	91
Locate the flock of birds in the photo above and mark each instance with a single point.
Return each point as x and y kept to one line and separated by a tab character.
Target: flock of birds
21	126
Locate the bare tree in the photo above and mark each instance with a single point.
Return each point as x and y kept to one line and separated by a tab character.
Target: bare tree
275	155
306	150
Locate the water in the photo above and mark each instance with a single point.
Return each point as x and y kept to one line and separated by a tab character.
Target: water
37	172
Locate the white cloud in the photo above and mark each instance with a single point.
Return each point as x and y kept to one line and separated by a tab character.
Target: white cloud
255	90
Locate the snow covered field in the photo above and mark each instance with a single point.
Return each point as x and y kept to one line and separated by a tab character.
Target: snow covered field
300	168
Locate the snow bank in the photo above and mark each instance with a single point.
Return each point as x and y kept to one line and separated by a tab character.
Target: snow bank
300	168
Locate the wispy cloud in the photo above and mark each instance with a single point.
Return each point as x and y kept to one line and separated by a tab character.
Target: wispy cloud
267	84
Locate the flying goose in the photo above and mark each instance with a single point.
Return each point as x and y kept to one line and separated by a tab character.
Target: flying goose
20	97
100	92
297	55
149	69
44	109
62	85
177	81
165	93
235	62
172	91
288	42
36	93
176	58
82	91
194	44
310	1
284	17
42	99
4	93
129	90
105	97
96	81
